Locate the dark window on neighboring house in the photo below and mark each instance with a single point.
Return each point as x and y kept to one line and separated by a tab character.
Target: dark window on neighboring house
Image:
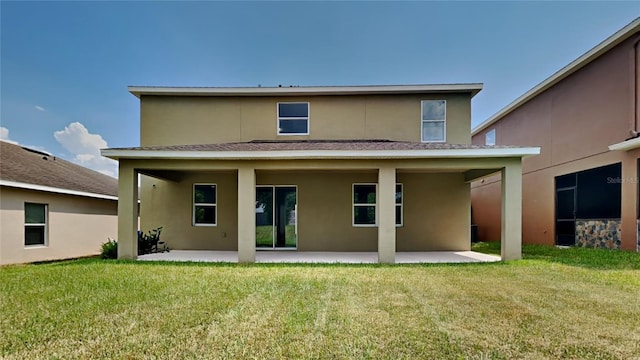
566	181
35	224
599	193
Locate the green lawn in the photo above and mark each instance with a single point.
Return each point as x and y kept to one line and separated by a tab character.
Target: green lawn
574	303
264	236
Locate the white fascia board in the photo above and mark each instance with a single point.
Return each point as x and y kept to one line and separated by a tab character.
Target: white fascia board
626	145
50	189
474	88
574	66
321	154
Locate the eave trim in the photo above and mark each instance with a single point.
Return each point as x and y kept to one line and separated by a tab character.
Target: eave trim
321	154
56	190
472	88
626	145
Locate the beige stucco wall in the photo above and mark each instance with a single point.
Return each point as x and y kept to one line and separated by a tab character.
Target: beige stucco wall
168	204
77	226
573	122
436	210
173	120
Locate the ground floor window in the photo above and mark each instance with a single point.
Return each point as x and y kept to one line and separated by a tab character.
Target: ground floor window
35	224
365	205
204	205
399	216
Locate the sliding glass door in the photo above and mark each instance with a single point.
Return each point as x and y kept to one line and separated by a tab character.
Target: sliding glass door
276	217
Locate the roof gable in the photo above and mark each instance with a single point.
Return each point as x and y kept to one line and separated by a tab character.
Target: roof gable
612	41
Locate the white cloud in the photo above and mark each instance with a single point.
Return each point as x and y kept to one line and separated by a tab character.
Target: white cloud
85	148
4	135
40	108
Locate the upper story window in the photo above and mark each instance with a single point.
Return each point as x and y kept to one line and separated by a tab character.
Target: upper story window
293	118
434	120
490	137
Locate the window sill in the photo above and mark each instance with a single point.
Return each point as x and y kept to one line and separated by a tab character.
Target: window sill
36	246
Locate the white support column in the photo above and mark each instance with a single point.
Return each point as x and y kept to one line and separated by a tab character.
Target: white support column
246	215
511	235
387	215
127	211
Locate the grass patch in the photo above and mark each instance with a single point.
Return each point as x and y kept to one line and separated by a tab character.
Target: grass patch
264	236
552	304
574	256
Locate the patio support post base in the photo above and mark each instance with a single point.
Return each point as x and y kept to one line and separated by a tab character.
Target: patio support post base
246	215
127	211
387	215
511	234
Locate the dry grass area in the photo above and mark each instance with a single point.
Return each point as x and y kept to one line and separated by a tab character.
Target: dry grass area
540	307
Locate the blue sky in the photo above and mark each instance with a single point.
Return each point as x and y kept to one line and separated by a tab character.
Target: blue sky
65	66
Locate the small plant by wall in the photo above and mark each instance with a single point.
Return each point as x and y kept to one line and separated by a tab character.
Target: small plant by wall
150	242
109	250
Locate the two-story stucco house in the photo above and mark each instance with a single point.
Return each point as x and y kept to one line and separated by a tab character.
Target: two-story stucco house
583	188
344	168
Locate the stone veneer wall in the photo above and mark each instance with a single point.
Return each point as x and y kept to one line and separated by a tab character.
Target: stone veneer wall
605	234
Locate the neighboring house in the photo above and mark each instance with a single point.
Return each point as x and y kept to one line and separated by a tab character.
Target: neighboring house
583	188
336	168
52	209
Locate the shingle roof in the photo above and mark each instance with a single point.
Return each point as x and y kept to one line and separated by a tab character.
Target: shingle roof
18	164
139	91
288	145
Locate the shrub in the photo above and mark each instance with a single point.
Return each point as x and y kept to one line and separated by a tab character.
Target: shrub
148	243
109	250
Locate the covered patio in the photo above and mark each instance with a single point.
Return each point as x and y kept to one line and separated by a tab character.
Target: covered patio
433	180
323	257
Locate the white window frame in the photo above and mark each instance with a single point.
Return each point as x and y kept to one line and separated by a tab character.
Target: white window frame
486	137
45	241
353	205
444	121
375	205
401	205
195	204
307	118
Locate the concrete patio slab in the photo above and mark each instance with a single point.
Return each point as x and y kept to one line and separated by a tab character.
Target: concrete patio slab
426	257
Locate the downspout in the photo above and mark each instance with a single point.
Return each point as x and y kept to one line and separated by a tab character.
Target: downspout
636	83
